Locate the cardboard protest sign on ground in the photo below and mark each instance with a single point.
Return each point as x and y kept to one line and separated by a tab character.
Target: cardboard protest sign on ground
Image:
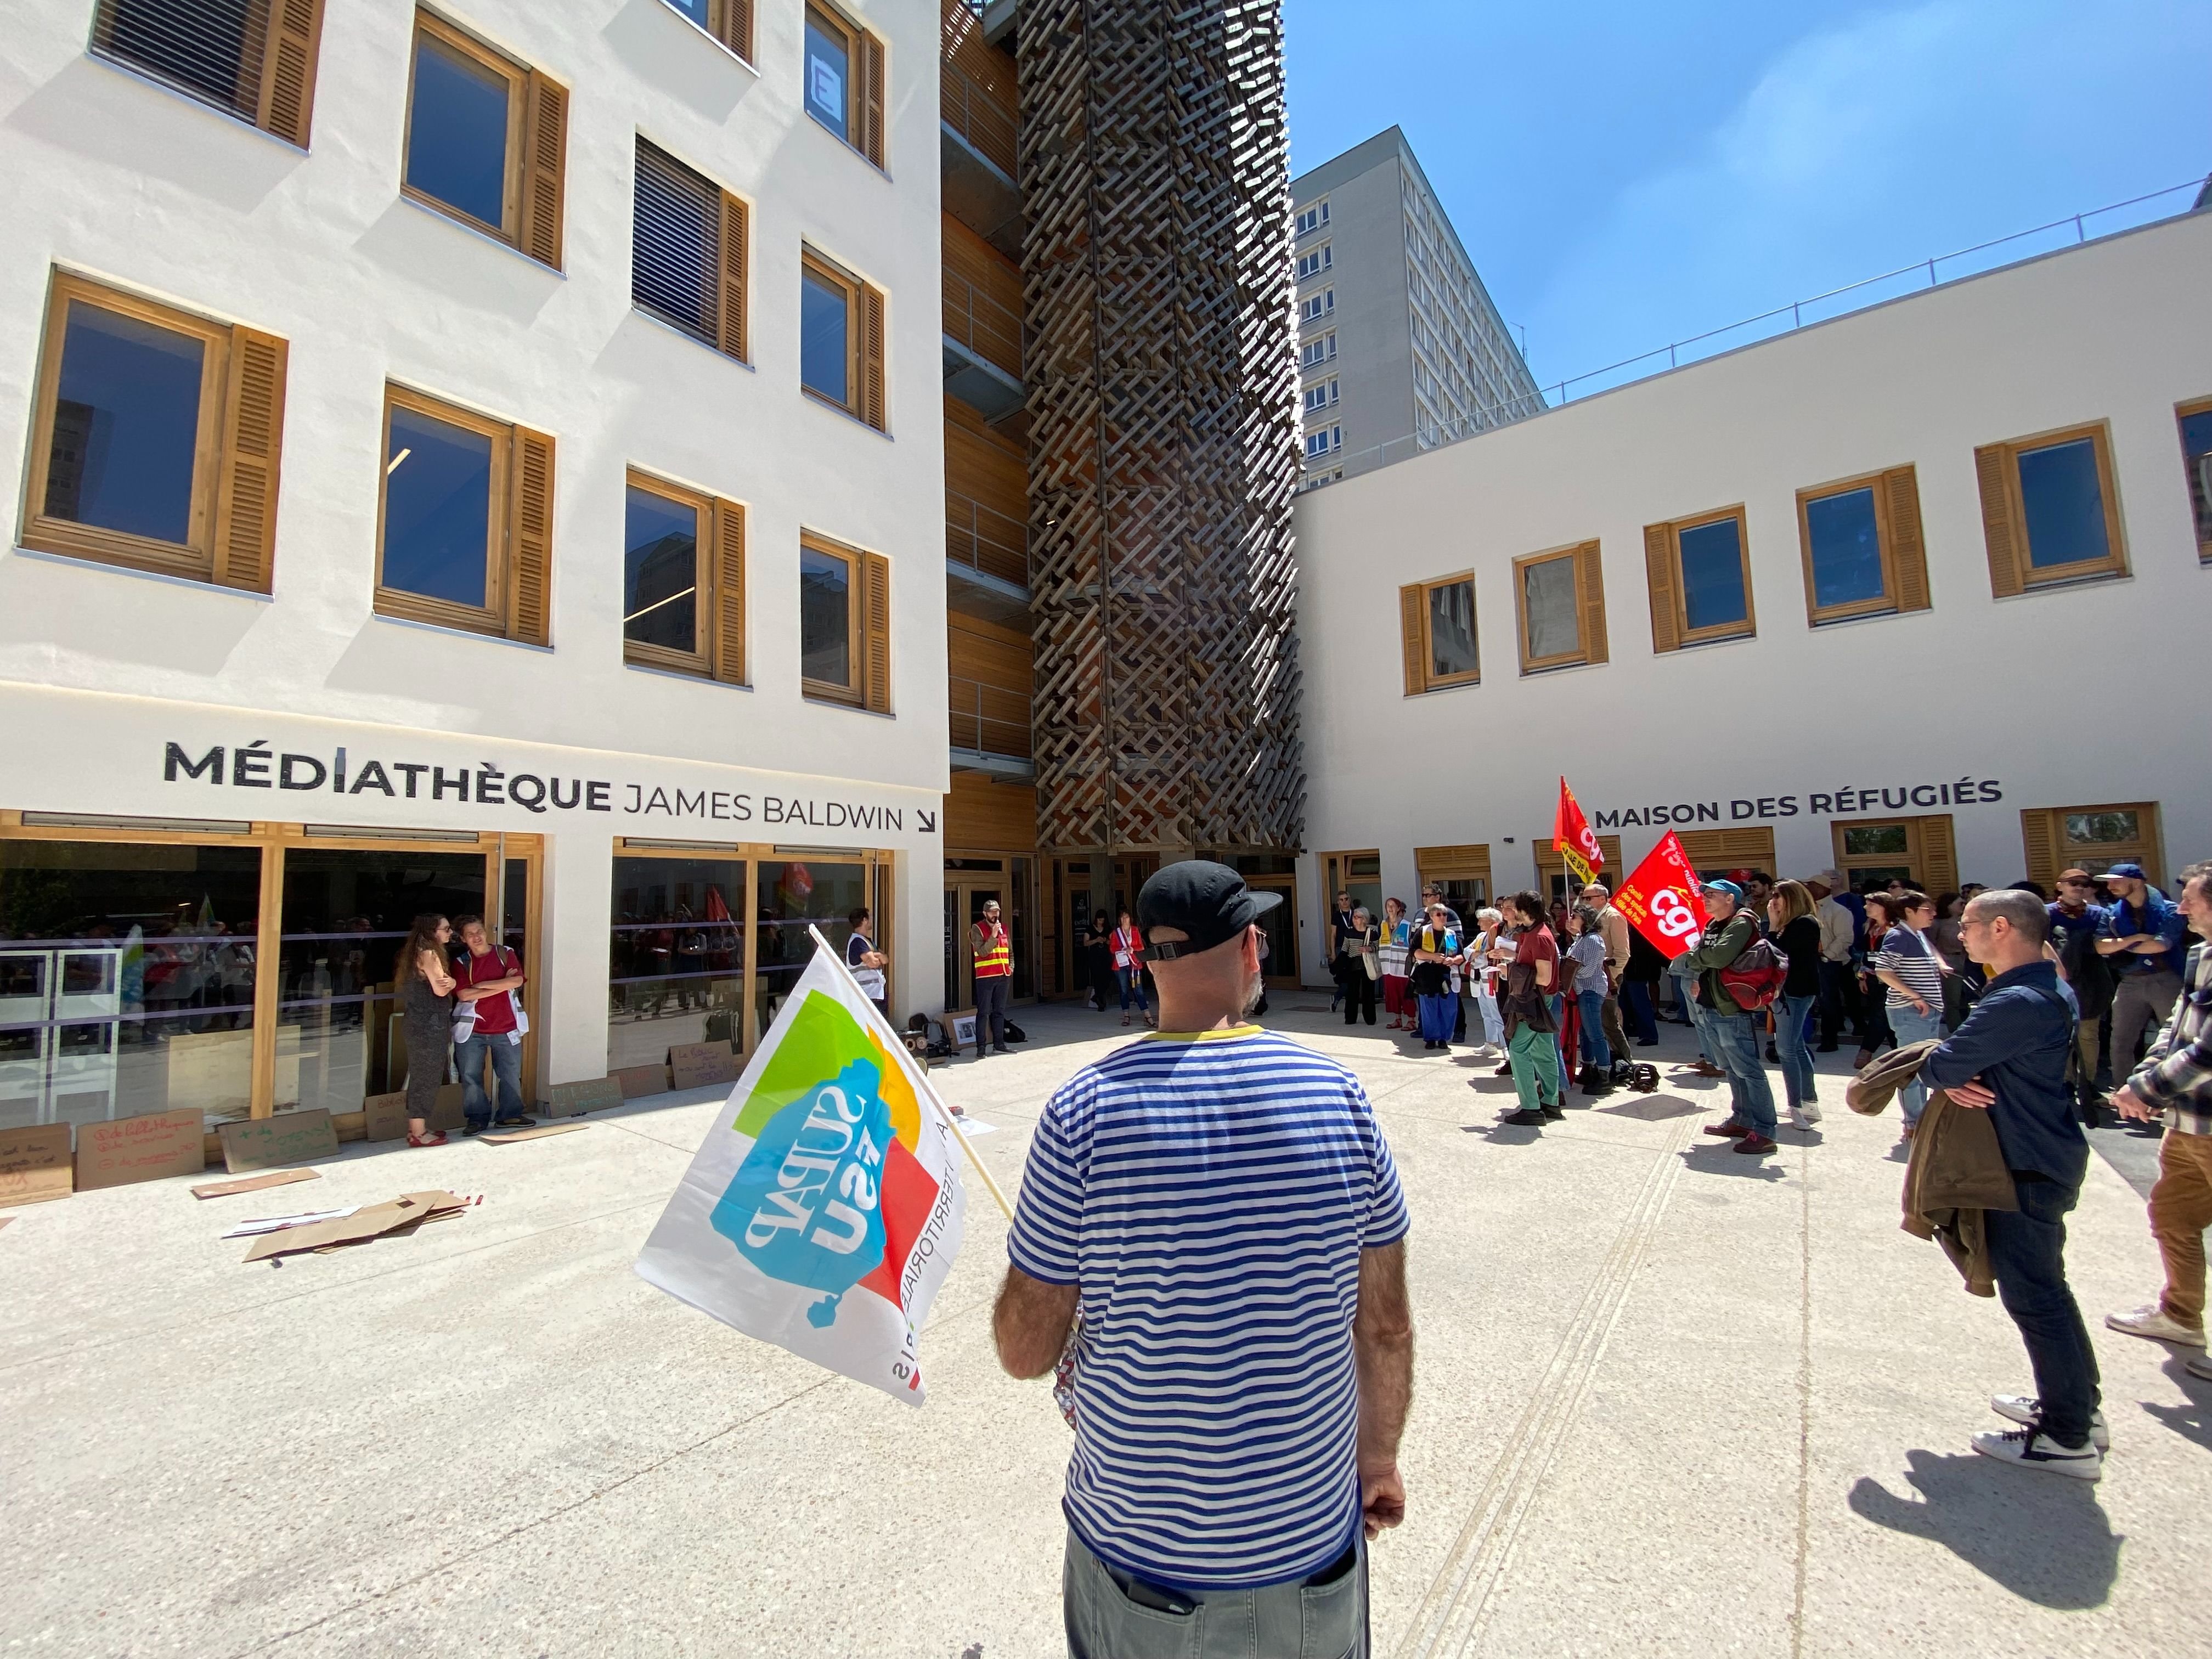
1661	901
146	1148
823	1208
384	1117
592	1094
269	1143
695	1064
35	1164
638	1080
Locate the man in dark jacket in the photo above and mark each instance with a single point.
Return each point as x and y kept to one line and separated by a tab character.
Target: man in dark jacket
2009	1059
1732	1034
2075	923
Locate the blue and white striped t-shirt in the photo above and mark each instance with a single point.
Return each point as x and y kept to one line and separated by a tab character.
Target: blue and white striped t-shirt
1211	1196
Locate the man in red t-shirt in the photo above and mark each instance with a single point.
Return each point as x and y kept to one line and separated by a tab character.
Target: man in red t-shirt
487	979
1532	1045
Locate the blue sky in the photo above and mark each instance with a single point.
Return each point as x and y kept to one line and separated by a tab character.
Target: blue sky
1625	174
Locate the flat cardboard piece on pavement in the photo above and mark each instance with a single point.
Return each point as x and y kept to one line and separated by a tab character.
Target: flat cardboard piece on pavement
384	1117
695	1064
370	1221
255	1183
146	1148
273	1143
538	1133
637	1080
35	1164
589	1095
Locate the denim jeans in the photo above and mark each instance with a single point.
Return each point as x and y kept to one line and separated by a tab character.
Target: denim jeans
1494	1023
507	1076
1735	1042
1911	1026
1131	981
1109	1615
2027	1259
1595	1050
1636	1008
1789	1017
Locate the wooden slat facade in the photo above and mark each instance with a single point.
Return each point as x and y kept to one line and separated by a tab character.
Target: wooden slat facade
983	297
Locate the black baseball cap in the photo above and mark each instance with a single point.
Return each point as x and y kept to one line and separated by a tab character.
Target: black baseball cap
1207	901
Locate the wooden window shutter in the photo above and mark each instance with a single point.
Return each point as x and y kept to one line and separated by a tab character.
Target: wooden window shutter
1410	602
1908	552
530	537
1659	576
1992	472
871	358
544	147
252	437
731	311
729	579
872	98
2038	835
736	28
1592	577
876	632
287	69
1939	855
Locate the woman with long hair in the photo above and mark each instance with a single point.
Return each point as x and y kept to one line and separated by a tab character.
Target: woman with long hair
424	990
1877	1035
1127	944
1796	934
1392	956
1908	965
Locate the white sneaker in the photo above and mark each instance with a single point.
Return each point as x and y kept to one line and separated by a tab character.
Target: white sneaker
1810	1111
2153	1321
2026	1408
2198	1364
1802	1119
1487	1051
2031	1449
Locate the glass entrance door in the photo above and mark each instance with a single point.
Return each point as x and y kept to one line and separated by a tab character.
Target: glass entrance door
1280	925
965	901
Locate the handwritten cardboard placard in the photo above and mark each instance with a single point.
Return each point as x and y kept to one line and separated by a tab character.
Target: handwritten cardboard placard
271	1143
637	1080
590	1094
384	1117
35	1164
695	1064
148	1148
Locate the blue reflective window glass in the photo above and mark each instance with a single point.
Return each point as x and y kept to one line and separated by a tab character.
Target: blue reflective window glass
825	613
697	11
828	71
2196	445
1712	575
660	571
126	425
2065	504
457	132
823	322
437	509
1846	548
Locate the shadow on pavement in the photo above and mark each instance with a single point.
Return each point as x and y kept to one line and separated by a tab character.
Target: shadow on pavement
1722	1158
2191	1420
2043	1537
1655	1108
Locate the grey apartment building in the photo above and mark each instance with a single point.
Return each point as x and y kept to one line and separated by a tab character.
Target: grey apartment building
1399	347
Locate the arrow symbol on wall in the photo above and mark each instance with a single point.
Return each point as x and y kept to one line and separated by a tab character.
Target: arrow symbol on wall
929	822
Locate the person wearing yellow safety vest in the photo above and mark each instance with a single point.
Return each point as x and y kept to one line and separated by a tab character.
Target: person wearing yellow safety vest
992	949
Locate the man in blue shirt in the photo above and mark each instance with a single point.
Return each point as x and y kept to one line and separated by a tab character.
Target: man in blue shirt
2009	1058
2145	938
2077	924
1219	1203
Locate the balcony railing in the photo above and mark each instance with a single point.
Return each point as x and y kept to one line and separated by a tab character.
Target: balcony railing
984	326
979	115
986	540
989	719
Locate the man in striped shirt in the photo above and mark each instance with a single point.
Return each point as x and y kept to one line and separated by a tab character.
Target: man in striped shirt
1218	1203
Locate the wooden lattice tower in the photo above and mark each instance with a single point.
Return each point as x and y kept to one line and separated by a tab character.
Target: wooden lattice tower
1163	450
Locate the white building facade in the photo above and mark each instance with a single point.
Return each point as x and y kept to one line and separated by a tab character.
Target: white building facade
481	458
1917	590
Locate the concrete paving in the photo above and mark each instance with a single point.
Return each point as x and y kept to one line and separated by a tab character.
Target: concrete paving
1669	1402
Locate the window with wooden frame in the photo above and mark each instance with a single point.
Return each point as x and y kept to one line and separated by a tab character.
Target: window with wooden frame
841	339
1699	573
684	579
1559	600
2050	512
254	59
729	22
155	438
844	624
486	140
2195	421
1922	851
1555	880
844	88
2095	837
1711	851
1863	548
1436	624
1463	873
688	251
464	520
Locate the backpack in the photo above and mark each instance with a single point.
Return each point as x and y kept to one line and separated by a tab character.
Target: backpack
1754	979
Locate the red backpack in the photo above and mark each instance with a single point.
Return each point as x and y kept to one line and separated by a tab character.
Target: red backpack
1755	978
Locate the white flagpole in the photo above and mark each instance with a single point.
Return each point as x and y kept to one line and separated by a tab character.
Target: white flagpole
898	1042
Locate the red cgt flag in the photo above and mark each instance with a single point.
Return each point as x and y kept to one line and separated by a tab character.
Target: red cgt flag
1661	901
1574	840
